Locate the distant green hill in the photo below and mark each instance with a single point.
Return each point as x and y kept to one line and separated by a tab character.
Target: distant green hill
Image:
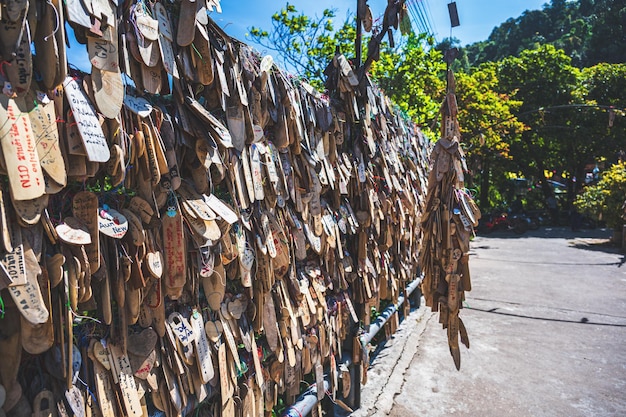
589	31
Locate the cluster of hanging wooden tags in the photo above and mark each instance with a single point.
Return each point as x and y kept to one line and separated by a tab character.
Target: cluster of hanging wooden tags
186	228
450	216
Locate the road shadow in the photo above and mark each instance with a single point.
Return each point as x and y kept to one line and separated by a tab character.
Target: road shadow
583	320
551	233
596	245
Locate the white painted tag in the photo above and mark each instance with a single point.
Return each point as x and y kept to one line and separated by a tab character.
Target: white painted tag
203	350
88	124
257	173
181	328
221	209
128	387
73	232
155	263
258	133
112	223
76	401
138	105
361	172
148	26
104	390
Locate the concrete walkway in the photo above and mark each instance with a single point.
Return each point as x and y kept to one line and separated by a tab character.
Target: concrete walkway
547	326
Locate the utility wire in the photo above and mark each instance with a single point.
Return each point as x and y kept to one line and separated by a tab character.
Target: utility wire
430	15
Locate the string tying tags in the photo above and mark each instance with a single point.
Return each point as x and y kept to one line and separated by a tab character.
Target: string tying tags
57	21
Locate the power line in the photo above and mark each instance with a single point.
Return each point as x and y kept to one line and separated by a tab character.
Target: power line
430	15
420	17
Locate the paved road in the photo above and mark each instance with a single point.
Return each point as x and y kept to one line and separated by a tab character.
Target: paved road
547	325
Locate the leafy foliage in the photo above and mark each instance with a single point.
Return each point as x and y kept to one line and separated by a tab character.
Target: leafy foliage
488	126
411	77
307	44
540	79
411	74
589	31
547	99
605	200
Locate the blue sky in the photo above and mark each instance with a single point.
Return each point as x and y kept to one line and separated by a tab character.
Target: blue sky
477	17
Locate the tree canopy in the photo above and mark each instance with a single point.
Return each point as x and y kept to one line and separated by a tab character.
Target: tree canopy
543	97
588	31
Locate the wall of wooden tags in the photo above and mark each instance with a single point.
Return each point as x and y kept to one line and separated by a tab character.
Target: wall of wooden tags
186	228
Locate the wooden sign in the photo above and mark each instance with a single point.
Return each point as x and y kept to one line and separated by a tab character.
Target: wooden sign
165	27
112	223
13	261
108	91
29	211
103	54
87	121
28	297
19	147
142	208
73	232
44	125
175	254
168	57
20	68
85	209
138	105
203	350
104	390
127	383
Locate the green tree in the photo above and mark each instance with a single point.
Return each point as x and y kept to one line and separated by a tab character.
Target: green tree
307	44
589	31
488	126
543	80
598	130
605	200
411	76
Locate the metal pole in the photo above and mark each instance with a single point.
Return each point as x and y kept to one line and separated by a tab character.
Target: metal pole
308	399
387	313
357	41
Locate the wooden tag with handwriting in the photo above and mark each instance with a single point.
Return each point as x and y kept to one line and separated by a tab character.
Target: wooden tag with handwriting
28	297
88	124
127	383
44	124
203	350
19	147
175	254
